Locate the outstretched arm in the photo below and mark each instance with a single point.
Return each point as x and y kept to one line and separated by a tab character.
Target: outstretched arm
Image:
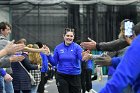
114	45
11	48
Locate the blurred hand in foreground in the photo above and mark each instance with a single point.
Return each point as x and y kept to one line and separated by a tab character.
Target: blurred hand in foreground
11	48
16	58
8	78
103	60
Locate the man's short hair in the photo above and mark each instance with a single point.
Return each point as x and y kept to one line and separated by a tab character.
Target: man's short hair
22	40
39	44
4	24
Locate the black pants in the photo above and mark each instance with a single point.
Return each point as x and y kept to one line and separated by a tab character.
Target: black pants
23	91
86	80
43	81
68	83
83	80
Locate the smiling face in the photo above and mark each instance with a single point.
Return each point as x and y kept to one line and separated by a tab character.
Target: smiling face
6	31
68	38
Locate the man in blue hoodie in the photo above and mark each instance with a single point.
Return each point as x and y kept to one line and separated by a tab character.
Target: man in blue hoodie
127	71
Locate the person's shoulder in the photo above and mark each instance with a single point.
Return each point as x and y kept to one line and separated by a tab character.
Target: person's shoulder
136	40
76	45
59	45
3	41
137	37
1	37
135	44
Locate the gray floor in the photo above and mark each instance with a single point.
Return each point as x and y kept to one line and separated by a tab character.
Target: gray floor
96	85
51	87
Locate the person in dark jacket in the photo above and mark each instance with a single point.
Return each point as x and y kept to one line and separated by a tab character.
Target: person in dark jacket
21	80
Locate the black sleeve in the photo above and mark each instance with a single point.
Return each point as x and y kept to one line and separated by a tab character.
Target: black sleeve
112	45
26	63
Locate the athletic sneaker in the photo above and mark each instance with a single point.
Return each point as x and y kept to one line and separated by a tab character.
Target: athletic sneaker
92	91
45	91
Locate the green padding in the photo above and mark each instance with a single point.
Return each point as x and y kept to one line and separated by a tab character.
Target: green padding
105	70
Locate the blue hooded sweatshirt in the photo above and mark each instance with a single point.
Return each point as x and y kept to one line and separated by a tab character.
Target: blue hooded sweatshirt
68	58
45	60
115	61
90	64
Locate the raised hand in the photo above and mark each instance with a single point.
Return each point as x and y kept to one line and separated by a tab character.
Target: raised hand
11	48
86	55
103	61
8	78
89	45
46	50
16	58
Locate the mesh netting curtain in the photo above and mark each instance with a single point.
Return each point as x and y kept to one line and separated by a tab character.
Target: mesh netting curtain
74	20
39	23
105	25
47	23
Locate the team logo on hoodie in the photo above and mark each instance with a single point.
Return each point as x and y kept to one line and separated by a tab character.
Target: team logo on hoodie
62	51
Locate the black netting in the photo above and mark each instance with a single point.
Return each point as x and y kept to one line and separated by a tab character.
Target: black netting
39	23
46	23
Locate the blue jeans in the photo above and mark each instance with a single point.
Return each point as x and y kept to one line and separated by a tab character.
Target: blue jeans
6	87
1	84
34	88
